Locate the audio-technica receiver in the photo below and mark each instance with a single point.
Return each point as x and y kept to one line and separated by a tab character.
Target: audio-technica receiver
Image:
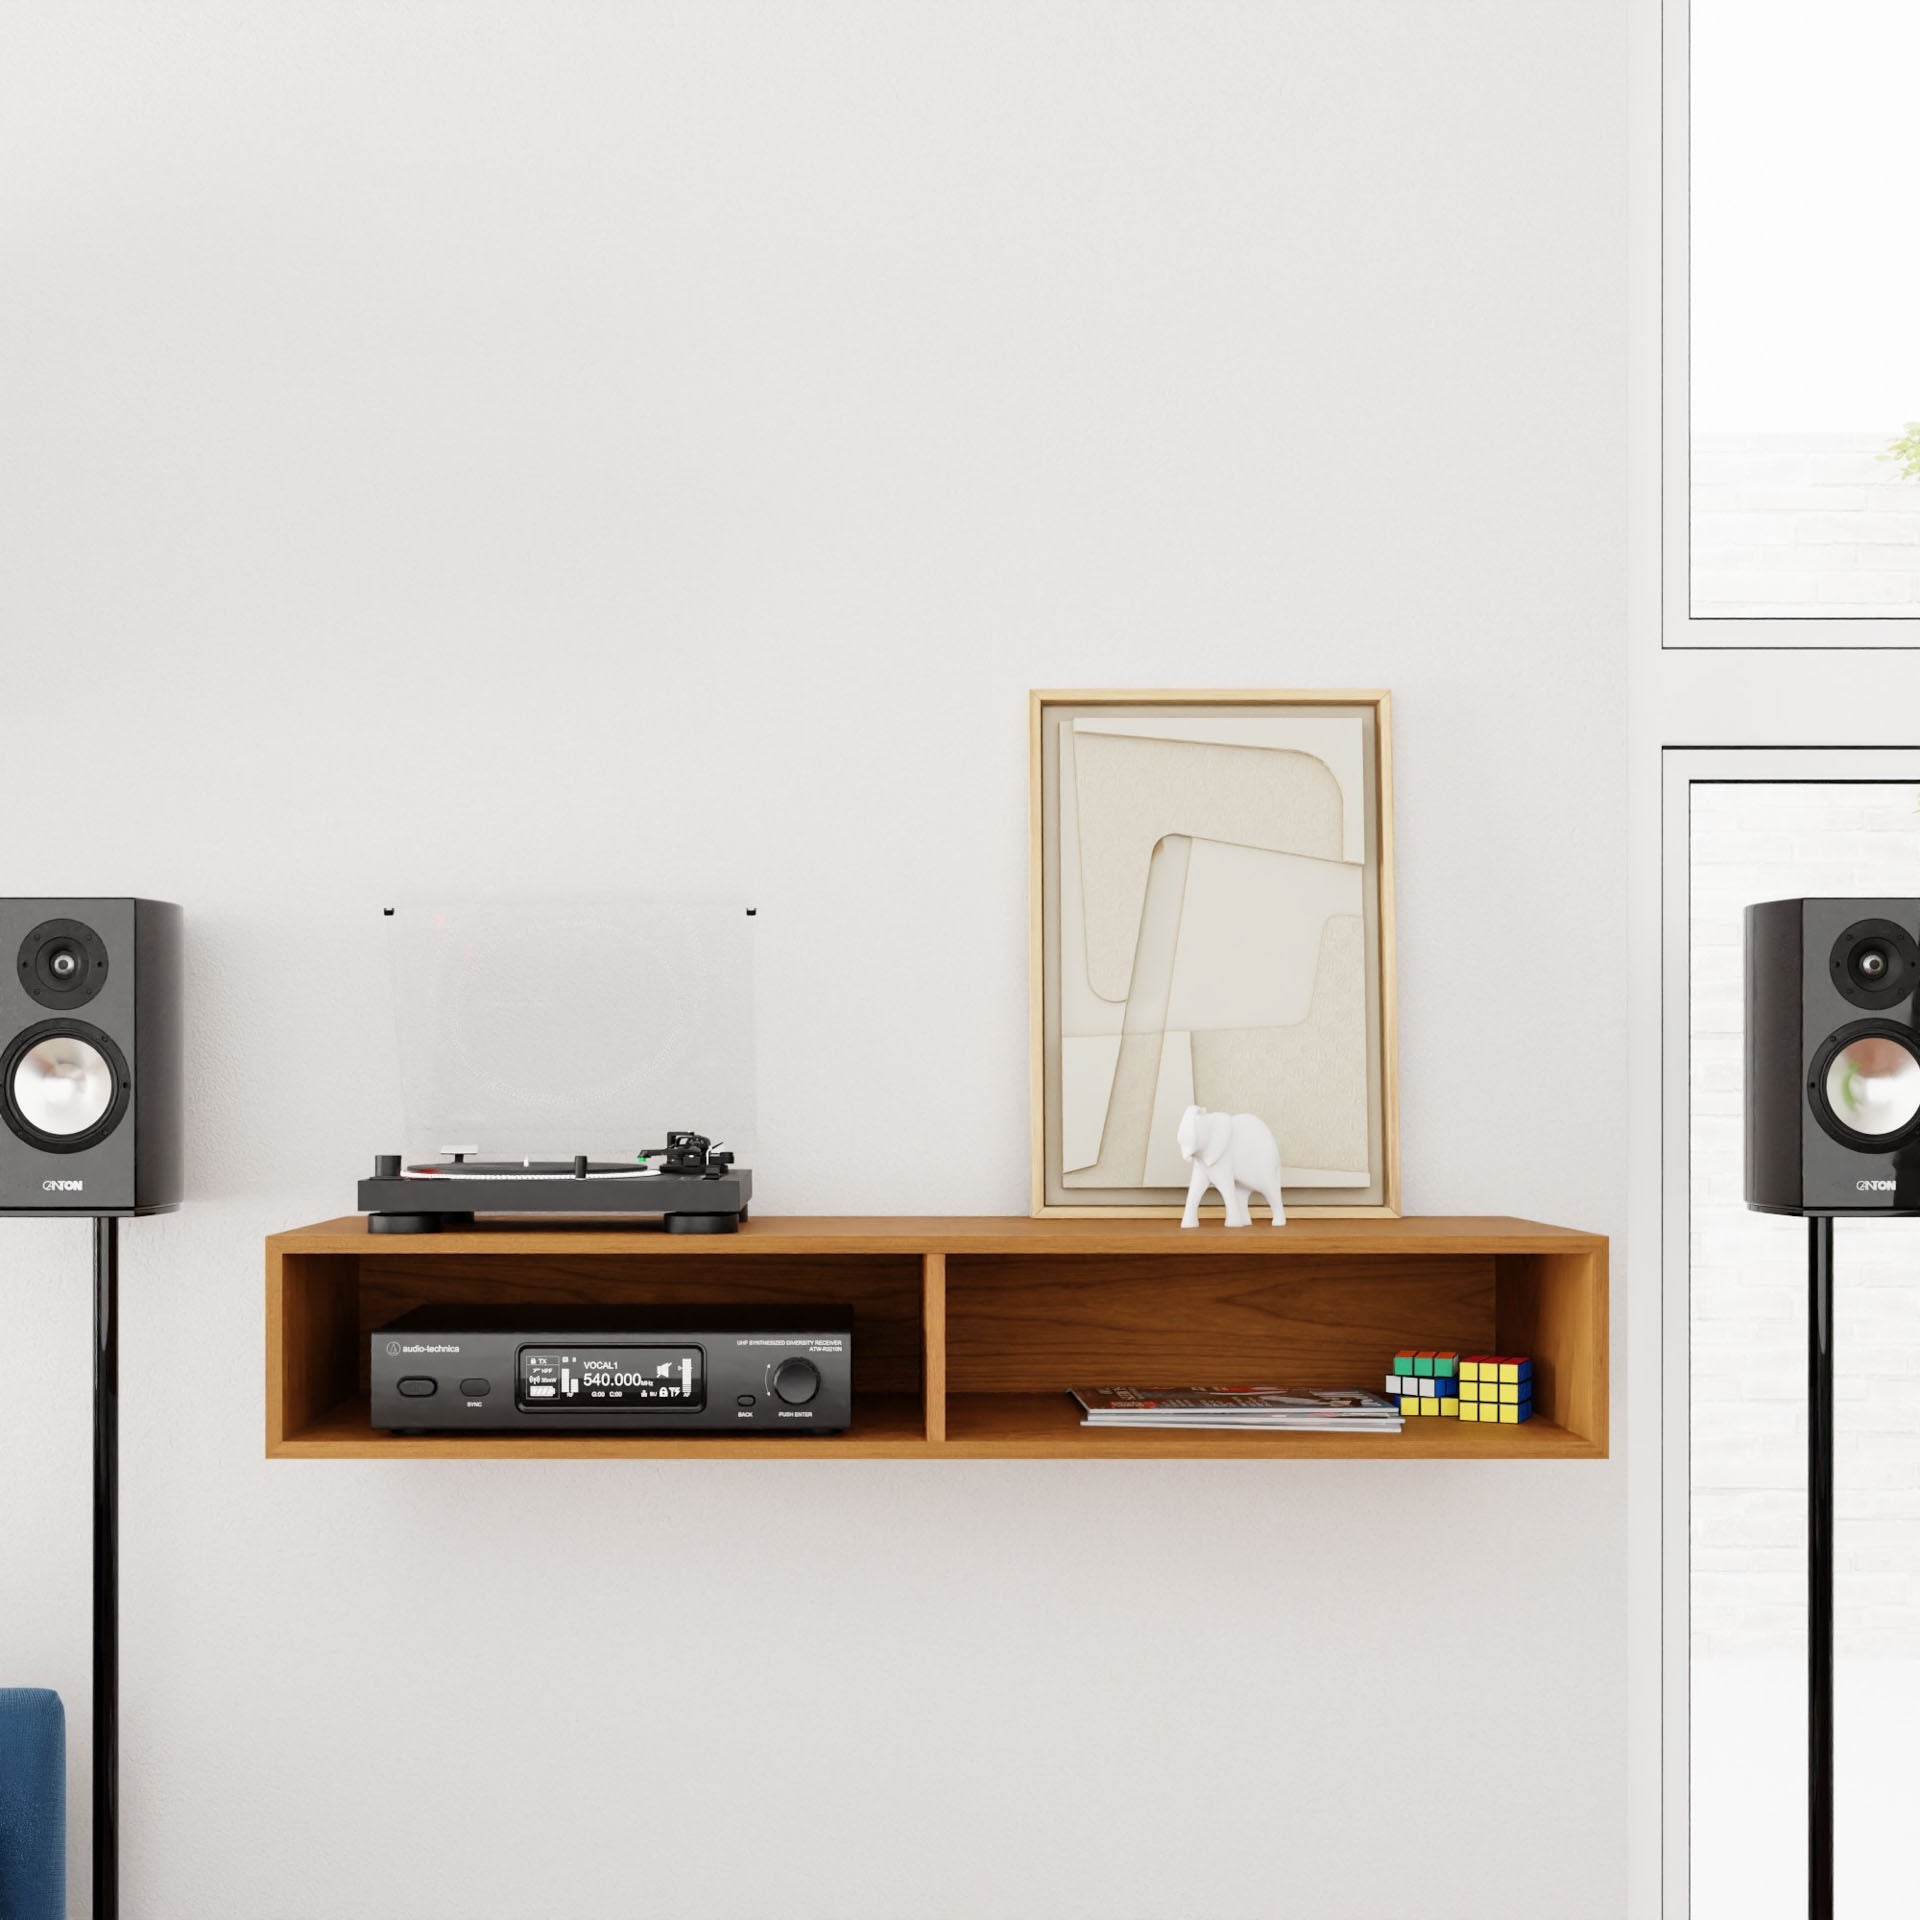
698	1369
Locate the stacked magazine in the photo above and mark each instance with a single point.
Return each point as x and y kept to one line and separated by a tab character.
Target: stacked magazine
1238	1409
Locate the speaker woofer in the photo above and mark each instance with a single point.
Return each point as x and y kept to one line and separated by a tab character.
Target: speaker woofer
63	1086
1865	1086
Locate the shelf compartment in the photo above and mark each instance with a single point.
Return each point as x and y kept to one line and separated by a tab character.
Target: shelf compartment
1023	1329
322	1307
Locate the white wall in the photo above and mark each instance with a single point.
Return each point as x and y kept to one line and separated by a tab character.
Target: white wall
440	441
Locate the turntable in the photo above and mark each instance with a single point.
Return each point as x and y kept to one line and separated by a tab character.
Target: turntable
570	1031
690	1187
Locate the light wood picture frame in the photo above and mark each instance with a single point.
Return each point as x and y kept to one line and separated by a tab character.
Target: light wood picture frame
1211	900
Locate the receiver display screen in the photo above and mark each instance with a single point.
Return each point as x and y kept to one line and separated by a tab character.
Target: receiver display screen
594	1379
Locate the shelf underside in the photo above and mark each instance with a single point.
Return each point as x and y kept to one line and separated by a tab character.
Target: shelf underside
980	1426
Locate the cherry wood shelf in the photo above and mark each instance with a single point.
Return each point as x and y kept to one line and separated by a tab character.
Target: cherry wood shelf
969	1329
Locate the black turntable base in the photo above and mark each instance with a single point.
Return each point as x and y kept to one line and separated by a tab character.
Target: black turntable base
688	1186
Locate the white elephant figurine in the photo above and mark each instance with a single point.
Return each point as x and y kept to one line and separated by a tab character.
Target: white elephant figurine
1237	1153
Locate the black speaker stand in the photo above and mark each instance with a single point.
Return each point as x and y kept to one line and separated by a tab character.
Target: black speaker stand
106	1567
1820	1567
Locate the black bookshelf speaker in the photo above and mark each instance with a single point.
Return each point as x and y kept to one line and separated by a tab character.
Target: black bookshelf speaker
1833	1057
90	1055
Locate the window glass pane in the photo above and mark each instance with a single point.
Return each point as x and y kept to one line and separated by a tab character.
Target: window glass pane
1805	297
1748	1358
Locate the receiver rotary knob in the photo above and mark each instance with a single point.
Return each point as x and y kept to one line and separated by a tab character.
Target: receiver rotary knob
795	1382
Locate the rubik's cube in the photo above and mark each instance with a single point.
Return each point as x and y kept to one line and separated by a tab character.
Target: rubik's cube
1496	1387
1426	1383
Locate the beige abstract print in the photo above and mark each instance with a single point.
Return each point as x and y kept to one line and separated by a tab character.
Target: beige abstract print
1212	942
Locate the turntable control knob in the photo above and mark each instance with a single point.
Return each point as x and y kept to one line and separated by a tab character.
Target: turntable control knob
386	1166
796	1382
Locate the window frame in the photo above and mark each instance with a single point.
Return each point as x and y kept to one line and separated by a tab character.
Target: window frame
1682	768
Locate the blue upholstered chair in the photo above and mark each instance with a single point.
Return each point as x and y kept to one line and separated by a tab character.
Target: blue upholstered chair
33	1805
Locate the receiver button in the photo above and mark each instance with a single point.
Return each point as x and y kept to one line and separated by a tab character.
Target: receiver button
796	1381
476	1389
416	1386
743	1399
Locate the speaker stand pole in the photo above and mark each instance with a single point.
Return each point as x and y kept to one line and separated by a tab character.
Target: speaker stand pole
106	1568
1820	1567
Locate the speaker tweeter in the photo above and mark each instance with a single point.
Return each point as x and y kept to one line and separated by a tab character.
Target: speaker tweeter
1875	964
63	964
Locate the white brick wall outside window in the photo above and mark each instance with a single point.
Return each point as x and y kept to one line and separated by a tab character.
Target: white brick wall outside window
1803	525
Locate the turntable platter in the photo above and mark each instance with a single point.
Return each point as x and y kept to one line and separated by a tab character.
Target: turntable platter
532	1170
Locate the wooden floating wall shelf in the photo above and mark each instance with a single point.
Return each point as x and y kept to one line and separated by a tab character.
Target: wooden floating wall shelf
969	1330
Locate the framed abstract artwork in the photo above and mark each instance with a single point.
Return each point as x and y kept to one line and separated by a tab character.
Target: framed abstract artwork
1212	897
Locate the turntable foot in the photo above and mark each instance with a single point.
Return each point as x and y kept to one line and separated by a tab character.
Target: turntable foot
700	1222
416	1222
